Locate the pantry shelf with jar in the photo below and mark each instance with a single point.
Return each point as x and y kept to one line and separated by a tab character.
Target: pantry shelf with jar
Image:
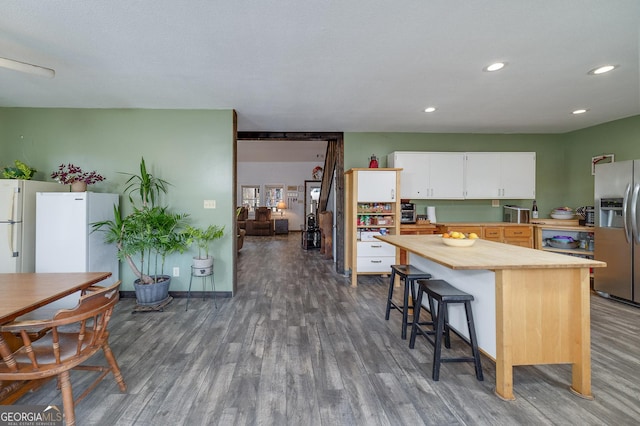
570	238
372	208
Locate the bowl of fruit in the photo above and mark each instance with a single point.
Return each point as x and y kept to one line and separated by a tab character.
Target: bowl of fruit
459	239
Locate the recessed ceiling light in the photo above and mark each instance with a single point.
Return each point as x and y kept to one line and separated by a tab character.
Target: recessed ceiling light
429	109
603	69
495	66
579	111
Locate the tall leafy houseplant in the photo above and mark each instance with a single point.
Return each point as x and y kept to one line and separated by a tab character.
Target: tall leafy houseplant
147	235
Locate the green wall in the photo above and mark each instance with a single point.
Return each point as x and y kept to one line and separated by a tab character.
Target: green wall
191	149
563	162
620	137
550	160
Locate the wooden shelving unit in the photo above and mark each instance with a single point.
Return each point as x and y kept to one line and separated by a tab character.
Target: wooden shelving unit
372	206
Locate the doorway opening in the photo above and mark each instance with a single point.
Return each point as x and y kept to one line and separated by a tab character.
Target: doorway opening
332	180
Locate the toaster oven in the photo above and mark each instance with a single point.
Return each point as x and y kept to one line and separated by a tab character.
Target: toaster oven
407	213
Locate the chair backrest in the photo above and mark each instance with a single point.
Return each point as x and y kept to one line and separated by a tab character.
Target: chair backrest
243	213
91	315
263	214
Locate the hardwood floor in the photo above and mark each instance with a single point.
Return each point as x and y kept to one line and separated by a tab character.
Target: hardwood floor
298	346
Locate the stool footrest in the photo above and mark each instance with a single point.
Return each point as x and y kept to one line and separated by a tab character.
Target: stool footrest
444	293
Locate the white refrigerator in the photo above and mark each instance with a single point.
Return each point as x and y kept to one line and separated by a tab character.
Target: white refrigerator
18	223
64	239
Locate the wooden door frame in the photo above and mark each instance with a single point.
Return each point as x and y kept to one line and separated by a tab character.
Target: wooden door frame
336	138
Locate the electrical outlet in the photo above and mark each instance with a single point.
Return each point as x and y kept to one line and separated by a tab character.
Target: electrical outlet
176	271
495	203
209	204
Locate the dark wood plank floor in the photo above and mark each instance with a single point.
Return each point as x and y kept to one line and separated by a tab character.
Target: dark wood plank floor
299	346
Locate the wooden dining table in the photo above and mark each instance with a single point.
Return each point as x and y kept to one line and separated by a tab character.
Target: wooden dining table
23	293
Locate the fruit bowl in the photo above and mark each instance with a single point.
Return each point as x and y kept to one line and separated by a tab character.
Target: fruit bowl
459	242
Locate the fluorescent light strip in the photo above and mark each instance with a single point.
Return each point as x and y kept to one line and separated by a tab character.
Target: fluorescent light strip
28	68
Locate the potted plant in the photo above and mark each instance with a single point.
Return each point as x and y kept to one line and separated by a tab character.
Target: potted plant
70	174
146	236
18	171
203	265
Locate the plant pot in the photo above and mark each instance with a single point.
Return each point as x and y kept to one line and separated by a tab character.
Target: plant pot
202	267
152	294
78	186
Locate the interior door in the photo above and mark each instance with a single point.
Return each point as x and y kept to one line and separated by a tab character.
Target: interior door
311	197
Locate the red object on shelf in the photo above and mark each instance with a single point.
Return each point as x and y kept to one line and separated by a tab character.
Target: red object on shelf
373	164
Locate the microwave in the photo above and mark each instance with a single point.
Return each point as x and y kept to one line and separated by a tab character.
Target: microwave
407	213
515	214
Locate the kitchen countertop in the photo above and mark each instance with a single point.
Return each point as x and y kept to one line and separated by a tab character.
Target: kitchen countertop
485	254
483	224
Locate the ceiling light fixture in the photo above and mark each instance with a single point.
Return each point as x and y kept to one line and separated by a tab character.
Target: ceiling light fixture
603	69
28	68
430	109
579	111
495	66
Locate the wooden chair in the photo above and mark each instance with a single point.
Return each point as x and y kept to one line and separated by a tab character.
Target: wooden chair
73	336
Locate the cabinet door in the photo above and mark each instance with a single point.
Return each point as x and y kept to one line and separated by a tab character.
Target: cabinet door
446	175
518	174
377	186
414	177
482	175
509	175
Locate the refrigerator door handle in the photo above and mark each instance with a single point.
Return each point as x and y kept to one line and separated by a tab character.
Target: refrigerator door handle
14	240
625	213
633	213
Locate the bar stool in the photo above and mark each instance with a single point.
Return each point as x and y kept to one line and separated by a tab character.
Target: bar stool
445	294
409	274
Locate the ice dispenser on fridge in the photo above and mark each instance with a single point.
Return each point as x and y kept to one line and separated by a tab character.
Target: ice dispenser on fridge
611	214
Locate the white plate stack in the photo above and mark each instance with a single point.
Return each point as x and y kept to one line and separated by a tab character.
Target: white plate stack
562	213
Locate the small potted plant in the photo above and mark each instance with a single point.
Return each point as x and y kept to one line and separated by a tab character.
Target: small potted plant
203	265
18	171
70	174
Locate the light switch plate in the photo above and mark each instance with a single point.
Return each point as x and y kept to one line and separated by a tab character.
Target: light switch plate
209	204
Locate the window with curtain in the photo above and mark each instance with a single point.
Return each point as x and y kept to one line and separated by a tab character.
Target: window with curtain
251	197
273	194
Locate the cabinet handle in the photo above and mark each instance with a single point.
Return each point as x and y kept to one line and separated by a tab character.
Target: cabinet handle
376	261
376	246
393	194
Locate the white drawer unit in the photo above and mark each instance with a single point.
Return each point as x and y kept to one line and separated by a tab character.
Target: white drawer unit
375	248
376	265
375	257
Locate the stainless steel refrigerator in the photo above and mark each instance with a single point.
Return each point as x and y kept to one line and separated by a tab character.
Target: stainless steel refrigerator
617	229
18	222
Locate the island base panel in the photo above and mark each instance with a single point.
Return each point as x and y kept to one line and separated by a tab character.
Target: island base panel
543	317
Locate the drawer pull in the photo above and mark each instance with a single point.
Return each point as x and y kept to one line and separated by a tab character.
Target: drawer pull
378	246
376	261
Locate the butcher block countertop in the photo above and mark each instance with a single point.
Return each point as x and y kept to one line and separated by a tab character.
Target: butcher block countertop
453	224
485	254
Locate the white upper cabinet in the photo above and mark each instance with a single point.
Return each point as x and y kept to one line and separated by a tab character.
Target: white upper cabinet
435	175
510	175
377	186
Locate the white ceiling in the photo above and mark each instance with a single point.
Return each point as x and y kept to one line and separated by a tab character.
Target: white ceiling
330	65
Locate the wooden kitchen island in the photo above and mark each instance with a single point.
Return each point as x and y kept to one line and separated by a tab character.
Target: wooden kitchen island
530	307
